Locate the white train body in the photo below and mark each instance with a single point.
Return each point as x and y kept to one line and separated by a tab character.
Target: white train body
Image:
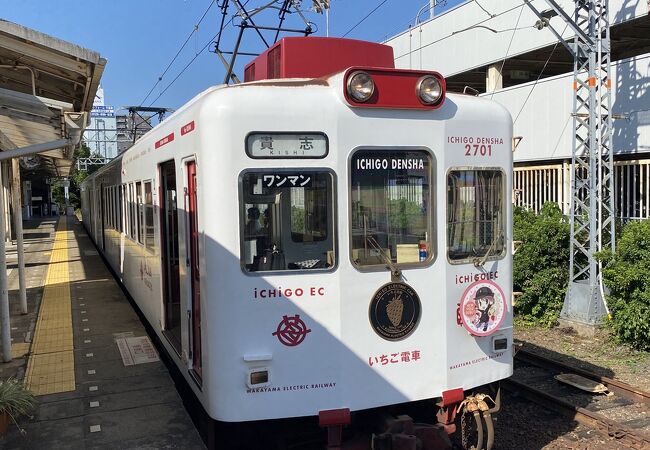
259	334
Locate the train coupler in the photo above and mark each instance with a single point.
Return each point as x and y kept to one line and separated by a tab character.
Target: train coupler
401	433
479	433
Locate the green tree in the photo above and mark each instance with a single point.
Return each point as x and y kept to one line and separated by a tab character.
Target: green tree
627	275
541	263
77	176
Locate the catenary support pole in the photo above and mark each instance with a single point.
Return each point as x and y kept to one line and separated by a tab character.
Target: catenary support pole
4	292
18	226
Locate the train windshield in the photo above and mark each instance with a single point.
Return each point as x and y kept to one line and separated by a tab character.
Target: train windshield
475	222
287	220
391	211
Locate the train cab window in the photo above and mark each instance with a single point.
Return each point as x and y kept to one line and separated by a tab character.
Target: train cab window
391	215
148	216
287	220
475	215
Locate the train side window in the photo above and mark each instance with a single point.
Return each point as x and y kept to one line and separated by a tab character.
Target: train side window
116	209
140	211
110	208
115	212
391	215
287	220
148	216
475	215
120	207
133	231
125	209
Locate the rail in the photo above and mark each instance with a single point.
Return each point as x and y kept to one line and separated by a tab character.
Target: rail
626	435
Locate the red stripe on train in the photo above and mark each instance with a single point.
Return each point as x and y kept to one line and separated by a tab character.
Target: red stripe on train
187	128
166	140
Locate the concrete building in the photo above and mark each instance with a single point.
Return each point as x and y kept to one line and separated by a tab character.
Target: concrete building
127	126
101	134
493	47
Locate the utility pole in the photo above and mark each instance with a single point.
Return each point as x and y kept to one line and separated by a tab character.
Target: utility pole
16	187
592	183
5	318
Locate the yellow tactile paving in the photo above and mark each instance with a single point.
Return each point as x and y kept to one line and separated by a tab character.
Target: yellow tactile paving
51	366
51	373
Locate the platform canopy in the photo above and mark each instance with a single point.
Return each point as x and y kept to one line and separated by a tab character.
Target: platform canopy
46	86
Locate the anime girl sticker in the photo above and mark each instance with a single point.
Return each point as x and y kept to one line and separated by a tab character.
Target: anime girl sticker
482	308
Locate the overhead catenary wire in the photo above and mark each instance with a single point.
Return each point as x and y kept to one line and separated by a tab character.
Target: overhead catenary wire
193	32
431	7
539	76
505	57
456	32
365	17
185	68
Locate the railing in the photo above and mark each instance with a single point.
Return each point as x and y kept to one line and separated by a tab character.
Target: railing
535	185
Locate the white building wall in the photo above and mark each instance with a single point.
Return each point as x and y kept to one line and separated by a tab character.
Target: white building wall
441	44
457	41
544	119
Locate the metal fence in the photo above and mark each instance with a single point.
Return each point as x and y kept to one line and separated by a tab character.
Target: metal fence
535	185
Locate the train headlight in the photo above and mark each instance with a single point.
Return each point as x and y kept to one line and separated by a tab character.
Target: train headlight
429	90
360	86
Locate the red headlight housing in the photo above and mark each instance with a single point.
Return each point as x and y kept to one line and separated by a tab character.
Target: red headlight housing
393	88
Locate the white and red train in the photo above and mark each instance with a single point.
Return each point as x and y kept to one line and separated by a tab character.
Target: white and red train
329	237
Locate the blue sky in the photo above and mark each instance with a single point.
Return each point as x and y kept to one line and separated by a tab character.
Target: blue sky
140	38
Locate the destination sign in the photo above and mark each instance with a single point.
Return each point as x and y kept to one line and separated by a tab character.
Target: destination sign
286	145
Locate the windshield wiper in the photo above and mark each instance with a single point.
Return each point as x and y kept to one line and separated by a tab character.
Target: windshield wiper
480	262
389	263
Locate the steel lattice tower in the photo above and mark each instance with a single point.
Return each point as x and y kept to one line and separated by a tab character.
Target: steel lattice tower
592	200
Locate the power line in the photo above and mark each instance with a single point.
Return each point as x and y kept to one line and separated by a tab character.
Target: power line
452	34
185	68
194	30
539	76
512	38
432	7
366	16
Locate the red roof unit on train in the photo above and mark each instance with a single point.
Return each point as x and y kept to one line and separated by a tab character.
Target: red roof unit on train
314	57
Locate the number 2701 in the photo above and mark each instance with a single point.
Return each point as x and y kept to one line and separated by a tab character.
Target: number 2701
476	149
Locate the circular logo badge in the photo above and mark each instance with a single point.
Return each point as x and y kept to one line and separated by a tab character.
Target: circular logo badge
395	311
482	308
291	331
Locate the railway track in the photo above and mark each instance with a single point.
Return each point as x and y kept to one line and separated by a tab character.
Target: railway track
623	413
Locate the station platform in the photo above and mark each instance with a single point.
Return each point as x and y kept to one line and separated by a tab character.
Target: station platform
91	394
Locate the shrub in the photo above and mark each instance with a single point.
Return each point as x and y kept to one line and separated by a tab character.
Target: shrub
15	399
541	263
627	275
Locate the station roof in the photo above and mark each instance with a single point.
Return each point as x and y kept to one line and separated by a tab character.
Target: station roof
43	79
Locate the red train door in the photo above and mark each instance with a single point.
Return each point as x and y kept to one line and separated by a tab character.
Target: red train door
194	267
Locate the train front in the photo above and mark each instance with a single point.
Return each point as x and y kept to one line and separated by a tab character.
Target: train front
372	251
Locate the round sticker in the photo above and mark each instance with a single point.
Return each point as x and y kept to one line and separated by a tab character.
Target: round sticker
482	308
395	311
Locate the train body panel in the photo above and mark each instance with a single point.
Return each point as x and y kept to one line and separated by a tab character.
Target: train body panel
423	193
